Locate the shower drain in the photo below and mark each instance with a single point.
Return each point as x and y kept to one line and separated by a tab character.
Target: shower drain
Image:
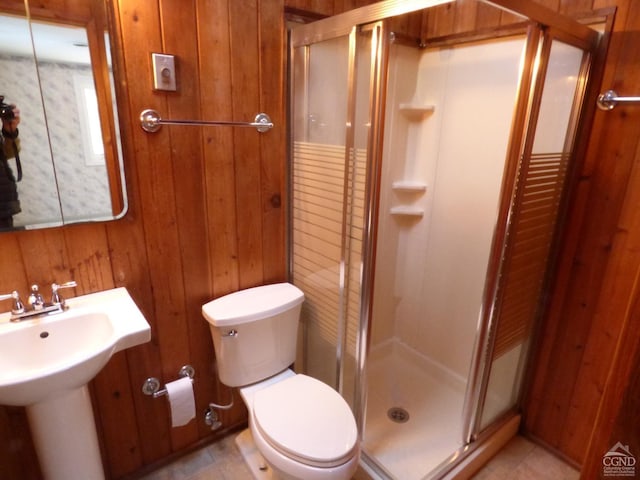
398	415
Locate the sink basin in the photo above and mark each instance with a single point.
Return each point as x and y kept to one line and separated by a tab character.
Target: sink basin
49	355
45	364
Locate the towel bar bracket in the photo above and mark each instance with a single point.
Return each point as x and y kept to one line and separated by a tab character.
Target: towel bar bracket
609	99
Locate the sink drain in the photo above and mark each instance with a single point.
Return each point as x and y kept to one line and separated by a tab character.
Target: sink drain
398	415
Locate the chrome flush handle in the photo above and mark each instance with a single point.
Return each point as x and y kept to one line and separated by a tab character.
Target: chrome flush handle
231	333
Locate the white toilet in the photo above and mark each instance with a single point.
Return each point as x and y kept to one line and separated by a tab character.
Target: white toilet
302	428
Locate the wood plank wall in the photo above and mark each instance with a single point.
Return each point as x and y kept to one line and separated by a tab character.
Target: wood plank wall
206	218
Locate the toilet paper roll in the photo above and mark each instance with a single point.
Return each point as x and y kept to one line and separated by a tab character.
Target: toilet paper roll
181	401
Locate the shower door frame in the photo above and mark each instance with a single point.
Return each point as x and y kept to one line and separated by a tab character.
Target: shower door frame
541	21
523	133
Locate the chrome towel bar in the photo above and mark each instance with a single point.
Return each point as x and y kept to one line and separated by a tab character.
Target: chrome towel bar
609	99
151	122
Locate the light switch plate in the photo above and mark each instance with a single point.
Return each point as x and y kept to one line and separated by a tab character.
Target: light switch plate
164	72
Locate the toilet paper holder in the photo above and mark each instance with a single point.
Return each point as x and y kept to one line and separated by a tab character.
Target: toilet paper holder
151	385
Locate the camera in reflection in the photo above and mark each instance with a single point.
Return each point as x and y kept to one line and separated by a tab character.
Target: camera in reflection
6	110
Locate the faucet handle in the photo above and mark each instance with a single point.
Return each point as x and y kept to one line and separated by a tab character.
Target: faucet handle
56	298
18	306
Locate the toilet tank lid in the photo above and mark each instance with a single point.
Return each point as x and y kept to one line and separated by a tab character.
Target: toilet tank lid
252	304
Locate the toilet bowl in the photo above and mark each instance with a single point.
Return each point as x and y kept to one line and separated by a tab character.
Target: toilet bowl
301	427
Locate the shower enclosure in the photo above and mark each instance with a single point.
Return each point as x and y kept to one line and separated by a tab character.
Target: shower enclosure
429	175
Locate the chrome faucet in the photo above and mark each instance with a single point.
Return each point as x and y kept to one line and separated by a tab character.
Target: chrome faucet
36	303
35	299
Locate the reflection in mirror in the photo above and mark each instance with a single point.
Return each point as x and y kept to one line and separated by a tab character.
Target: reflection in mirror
70	150
37	190
75	134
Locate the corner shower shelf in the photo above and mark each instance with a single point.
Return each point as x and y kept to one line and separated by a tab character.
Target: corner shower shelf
415	110
405	211
409	186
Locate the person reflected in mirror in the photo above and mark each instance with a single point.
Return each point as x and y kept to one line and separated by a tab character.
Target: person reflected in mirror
9	202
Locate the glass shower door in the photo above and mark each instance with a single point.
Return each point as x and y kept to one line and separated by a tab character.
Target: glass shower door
331	83
443	192
537	209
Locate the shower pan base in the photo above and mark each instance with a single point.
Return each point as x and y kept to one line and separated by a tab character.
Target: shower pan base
399	376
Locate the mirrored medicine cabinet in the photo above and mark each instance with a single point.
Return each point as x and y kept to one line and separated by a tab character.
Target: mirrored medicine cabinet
55	66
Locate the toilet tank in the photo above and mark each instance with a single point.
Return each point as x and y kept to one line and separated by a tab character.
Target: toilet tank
254	332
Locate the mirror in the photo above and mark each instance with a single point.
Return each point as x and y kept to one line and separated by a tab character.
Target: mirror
55	65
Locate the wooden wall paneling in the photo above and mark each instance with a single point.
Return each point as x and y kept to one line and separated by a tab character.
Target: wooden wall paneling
140	27
597	4
77	11
618	418
619	274
552	4
184	168
17	453
88	259
569	7
218	146
440	20
324	7
219	171
245	99
409	26
90	267
273	101
44	257
465	17
129	264
14	276
487	16
188	166
151	441
18	448
115	415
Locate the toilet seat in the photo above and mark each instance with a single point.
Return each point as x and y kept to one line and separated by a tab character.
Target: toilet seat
306	420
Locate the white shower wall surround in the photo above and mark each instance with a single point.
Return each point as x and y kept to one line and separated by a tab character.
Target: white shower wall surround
438	271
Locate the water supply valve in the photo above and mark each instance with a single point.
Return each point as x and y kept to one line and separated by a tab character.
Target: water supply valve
211	419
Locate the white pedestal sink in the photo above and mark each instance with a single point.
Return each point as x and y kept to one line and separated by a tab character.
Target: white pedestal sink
45	365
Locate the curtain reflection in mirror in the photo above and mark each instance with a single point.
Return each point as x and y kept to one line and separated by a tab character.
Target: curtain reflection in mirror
37	190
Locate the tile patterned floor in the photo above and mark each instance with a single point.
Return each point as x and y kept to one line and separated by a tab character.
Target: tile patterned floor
519	460
220	460
524	460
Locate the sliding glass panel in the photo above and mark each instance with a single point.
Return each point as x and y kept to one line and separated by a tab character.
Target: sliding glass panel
355	175
320	93
332	104
536	210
